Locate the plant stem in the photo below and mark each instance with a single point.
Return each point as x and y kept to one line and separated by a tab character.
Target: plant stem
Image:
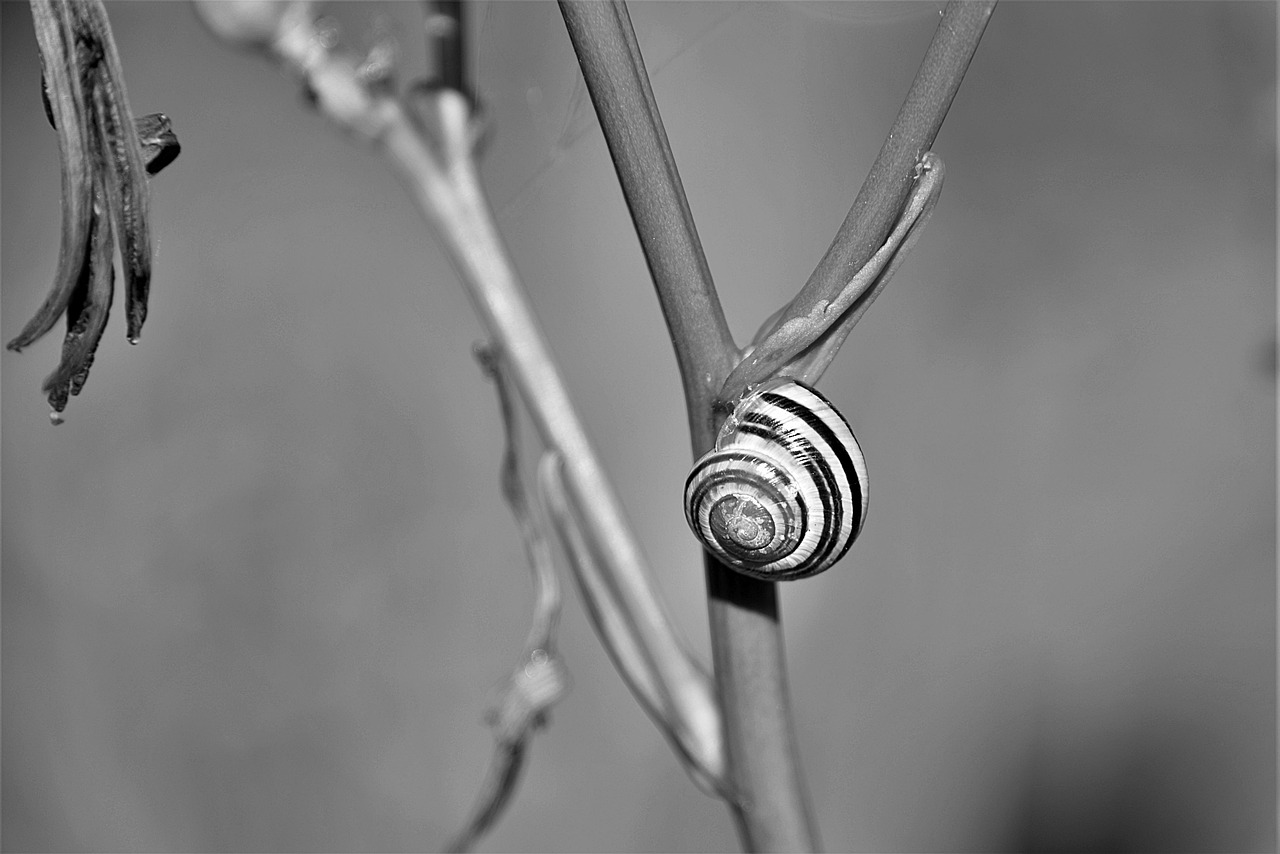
455	204
768	799
614	71
771	804
433	150
879	201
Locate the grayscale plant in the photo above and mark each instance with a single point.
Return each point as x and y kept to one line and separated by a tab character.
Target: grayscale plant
106	156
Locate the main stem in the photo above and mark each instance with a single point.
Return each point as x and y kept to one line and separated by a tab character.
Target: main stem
767	797
771	804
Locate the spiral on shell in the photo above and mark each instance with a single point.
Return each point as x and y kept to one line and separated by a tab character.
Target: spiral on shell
784	492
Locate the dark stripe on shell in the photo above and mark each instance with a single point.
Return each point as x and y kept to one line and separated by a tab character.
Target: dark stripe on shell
791	439
817	466
836	445
701	481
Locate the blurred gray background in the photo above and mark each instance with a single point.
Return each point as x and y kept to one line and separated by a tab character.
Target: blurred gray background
259	589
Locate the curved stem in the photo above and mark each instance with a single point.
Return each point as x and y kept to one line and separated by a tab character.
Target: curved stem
803	347
455	203
888	184
769	802
432	149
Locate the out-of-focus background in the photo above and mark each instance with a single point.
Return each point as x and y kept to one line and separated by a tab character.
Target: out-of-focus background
259	588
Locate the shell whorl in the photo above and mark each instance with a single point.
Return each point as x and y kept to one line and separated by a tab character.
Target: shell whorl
784	492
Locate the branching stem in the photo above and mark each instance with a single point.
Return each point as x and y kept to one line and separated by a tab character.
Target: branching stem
737	740
769	801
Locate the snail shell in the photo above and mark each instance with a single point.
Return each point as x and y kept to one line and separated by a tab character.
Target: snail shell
784	492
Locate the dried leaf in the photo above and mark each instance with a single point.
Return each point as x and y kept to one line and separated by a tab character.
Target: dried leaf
56	38
126	174
87	311
159	143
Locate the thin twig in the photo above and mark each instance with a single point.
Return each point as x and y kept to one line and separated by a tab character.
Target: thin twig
619	632
890	181
458	208
611	623
614	71
540	678
433	151
818	335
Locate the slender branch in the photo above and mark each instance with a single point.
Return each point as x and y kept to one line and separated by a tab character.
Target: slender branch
614	71
620	631
890	180
540	678
768	802
859	295
460	213
819	334
611	622
864	231
433	151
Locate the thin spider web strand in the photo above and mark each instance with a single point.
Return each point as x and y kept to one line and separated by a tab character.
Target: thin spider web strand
579	117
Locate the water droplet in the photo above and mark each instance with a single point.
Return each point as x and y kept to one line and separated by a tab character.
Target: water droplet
56	418
327	32
134	340
538	660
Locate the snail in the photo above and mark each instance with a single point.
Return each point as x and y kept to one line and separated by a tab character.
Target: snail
784	492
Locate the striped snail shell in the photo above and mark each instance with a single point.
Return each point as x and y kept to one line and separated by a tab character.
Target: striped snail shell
784	492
